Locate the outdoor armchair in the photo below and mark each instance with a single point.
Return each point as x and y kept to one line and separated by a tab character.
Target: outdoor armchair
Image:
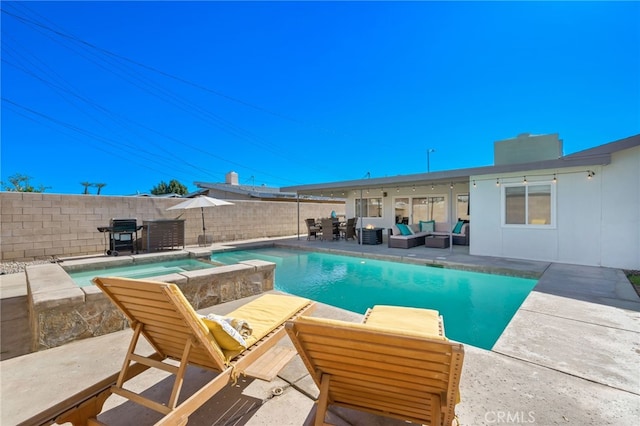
312	229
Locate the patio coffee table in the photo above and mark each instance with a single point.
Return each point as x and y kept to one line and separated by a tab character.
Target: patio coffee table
436	241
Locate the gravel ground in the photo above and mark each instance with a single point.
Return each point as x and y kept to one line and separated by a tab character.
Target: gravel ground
15	267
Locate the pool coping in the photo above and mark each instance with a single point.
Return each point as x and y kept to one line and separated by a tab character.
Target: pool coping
80	265
533	273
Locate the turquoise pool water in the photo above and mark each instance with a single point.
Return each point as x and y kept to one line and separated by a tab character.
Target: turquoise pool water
476	307
144	270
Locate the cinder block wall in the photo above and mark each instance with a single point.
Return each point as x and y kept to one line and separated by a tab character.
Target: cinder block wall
40	225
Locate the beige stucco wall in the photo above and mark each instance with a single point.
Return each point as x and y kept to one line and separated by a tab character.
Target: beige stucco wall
36	226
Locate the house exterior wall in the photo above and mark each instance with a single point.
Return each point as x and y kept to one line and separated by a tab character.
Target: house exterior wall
621	211
486	232
227	195
579	221
597	221
40	225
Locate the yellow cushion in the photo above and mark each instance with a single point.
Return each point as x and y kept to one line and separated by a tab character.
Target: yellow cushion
190	312
265	314
413	320
369	327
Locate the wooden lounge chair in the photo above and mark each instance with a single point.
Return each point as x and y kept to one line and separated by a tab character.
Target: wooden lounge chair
160	313
397	364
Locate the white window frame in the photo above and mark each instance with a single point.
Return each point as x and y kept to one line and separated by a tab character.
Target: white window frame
527	225
458	215
365	200
407	207
416	196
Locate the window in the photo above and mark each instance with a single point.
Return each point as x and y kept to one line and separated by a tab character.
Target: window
528	204
371	207
429	208
402	208
415	209
462	206
515	205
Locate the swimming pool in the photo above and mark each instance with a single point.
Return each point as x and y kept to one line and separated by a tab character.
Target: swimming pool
143	270
476	307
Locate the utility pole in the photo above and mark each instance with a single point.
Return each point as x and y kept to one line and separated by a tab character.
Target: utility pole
429	151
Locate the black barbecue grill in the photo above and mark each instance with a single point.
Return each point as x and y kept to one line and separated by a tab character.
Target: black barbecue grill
123	234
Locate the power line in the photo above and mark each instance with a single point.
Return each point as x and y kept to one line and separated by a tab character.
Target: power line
174	77
133	153
64	92
161	92
173	139
133	150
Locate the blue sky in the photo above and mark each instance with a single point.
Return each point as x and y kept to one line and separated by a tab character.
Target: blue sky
286	93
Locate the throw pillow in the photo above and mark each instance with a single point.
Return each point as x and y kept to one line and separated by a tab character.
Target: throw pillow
427	226
404	229
241	326
458	227
227	337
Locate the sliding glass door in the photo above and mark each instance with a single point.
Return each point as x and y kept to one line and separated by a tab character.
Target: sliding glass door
415	209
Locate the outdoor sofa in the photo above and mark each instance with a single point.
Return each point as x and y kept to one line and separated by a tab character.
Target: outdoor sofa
397	240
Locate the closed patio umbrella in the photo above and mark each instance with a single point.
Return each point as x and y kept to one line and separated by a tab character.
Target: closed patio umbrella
201	202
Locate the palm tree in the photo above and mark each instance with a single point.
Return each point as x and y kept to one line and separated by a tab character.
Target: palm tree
86	187
99	186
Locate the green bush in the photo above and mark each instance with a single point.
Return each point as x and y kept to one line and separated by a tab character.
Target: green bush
634	277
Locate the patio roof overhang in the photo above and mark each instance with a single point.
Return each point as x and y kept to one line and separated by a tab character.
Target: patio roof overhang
342	188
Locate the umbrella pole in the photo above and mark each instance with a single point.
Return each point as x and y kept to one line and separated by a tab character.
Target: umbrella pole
204	230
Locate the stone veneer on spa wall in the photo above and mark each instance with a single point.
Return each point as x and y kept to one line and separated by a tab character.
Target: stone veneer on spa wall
61	312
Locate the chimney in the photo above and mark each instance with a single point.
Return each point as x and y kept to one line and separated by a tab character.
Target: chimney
527	148
231	178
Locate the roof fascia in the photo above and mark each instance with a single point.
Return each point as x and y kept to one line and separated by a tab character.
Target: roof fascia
450	175
608	148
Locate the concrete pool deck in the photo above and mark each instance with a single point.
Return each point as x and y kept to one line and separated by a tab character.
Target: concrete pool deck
570	355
